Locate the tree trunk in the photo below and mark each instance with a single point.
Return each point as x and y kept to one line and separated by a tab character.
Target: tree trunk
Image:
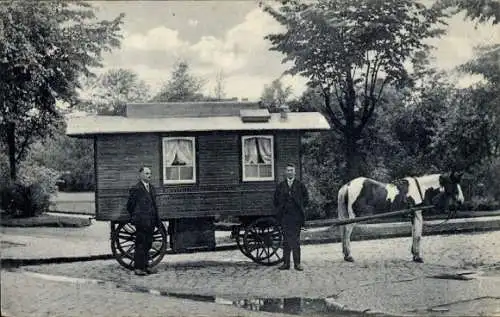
11	148
350	146
351	157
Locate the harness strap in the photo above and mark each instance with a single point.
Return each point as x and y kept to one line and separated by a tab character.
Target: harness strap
419	189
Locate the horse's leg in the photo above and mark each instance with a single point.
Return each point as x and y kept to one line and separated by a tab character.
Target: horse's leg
346	242
416	233
344	211
346	234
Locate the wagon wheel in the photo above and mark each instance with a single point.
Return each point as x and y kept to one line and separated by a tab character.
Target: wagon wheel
262	241
123	245
238	234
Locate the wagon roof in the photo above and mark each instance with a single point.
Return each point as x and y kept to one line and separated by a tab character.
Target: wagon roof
194	117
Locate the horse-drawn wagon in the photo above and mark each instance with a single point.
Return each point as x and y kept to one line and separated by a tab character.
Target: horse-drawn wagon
210	160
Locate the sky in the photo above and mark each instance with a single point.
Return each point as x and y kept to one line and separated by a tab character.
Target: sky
228	36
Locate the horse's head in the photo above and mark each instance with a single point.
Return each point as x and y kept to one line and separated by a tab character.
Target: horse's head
451	195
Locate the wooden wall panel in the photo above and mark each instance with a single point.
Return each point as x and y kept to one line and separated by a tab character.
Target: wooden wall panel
219	189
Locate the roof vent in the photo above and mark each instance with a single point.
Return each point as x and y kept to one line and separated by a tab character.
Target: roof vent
284	110
255	115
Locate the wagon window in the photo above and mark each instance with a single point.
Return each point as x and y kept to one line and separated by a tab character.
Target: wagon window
258	158
179	161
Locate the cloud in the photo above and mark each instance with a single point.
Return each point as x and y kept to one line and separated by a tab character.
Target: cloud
241	47
465	81
244	86
212	51
242	53
457	46
193	22
157	39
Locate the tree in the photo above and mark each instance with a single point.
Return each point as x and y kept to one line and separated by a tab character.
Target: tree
71	157
471	132
182	86
44	51
350	51
219	90
464	139
275	95
110	92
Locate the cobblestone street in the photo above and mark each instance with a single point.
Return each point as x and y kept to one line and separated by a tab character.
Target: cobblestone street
382	279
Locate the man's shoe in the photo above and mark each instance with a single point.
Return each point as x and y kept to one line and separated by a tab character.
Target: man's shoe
151	270
298	267
284	267
418	259
140	272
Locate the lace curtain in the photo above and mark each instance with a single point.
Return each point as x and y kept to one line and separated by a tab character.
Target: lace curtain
179	152
258	150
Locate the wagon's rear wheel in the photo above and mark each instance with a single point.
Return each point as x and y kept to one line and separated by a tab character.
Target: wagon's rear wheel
262	241
123	244
238	234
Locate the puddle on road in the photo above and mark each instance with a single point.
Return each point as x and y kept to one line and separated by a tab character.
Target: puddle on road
291	305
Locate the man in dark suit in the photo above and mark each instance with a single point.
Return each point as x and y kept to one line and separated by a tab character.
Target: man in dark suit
290	198
143	211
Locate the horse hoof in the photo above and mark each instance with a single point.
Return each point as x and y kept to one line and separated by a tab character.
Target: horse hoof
418	259
349	258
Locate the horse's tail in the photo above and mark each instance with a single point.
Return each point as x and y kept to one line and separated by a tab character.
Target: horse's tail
342	201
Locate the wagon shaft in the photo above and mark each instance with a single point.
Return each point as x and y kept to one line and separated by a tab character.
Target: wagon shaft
378	216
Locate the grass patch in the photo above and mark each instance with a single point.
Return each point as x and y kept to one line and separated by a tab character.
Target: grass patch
45	220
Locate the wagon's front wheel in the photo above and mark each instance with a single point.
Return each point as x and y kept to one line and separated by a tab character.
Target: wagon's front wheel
123	244
262	241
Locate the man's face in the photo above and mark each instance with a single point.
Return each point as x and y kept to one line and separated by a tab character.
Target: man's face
290	172
146	175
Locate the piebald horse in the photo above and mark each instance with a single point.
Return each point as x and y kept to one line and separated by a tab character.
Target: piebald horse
363	196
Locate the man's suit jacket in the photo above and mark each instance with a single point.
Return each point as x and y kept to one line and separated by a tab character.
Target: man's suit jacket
299	195
141	205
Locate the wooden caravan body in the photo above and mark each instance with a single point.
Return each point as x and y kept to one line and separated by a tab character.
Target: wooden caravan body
208	159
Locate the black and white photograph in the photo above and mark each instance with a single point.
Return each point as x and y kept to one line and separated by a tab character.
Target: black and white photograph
243	158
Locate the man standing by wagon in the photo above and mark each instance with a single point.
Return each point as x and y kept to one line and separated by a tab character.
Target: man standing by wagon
143	211
290	198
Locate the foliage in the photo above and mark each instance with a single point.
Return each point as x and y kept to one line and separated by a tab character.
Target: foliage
73	158
31	173
110	92
322	167
464	139
45	49
182	86
350	51
30	195
275	95
471	132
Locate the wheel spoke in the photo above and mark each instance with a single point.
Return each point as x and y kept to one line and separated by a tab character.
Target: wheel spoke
262	241
123	244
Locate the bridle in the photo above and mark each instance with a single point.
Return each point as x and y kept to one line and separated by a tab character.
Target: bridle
451	212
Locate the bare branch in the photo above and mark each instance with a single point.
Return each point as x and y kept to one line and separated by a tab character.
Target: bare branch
331	114
339	99
22	148
367	74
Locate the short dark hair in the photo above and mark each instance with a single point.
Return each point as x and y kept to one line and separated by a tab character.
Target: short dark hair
142	168
290	165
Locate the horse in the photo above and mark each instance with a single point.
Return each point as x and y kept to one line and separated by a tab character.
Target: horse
364	196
